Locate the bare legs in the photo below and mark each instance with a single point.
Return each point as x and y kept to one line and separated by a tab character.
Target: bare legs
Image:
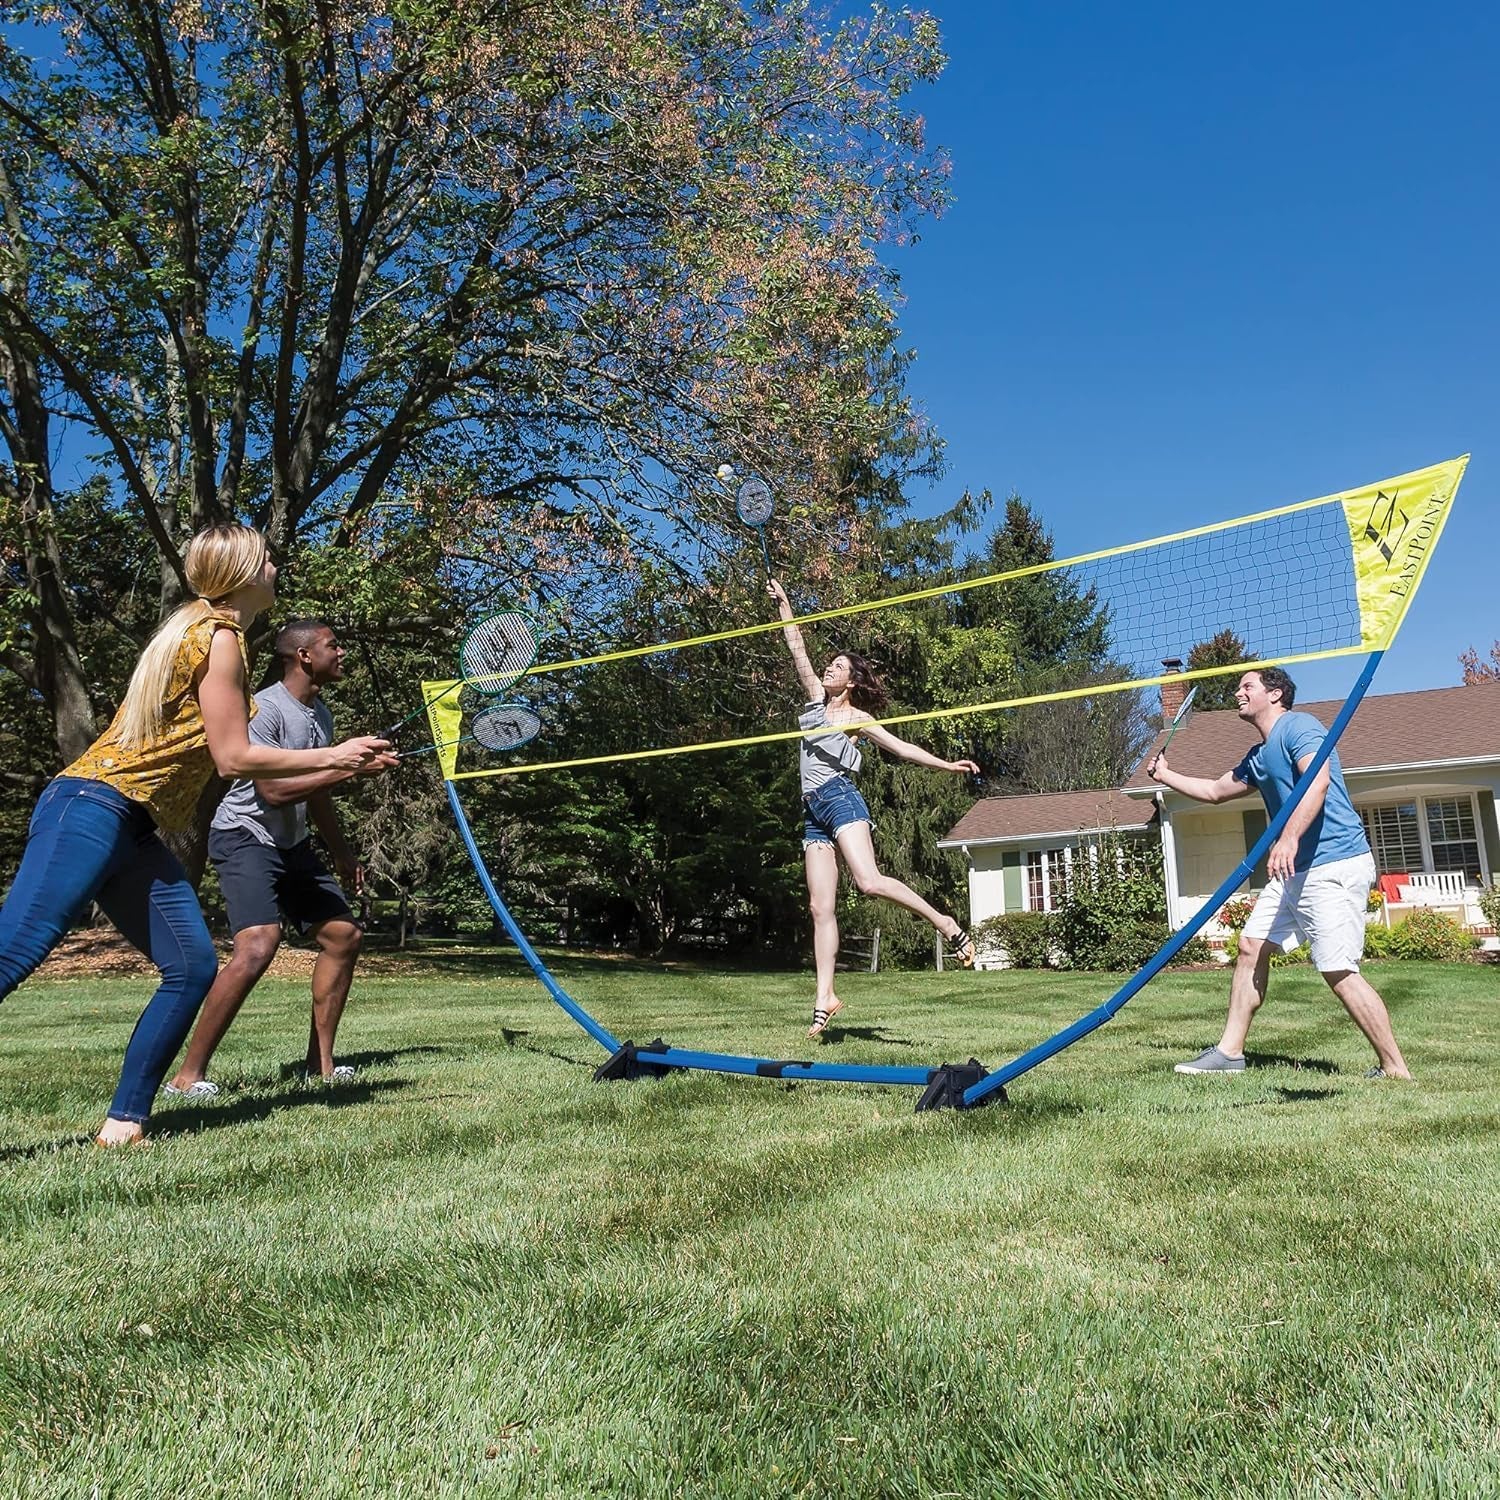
822	866
332	975
254	948
1366	1009
1247	992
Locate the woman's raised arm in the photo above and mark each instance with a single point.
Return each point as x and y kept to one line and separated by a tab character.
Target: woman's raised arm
812	684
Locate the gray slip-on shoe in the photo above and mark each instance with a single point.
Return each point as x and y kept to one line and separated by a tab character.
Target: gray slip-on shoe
1211	1061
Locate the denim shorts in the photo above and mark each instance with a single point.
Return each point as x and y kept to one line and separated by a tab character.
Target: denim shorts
830	807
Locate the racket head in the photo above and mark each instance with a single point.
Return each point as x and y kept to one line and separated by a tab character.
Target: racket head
498	650
753	502
1185	707
505	726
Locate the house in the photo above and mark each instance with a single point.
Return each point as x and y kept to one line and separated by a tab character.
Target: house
1423	772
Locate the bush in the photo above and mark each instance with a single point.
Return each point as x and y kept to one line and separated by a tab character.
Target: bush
1025	937
1489	904
1114	895
1424	934
1195	953
1234	914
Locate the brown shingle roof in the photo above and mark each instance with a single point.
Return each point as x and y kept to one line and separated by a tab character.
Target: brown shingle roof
1391	729
1048	812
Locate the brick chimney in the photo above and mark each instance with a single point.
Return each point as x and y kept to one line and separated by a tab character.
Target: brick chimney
1172	693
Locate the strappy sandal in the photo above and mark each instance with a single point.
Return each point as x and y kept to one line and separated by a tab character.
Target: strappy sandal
822	1017
962	946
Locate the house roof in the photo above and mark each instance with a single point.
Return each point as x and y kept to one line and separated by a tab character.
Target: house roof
1038	814
1408	730
1432	728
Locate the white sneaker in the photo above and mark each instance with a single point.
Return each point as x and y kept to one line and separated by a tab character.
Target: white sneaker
203	1089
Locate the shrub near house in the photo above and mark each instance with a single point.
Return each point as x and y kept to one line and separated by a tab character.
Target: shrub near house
1111	915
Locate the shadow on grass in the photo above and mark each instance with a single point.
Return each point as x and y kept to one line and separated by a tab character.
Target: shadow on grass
1297	1064
44	1148
295	1070
512	1039
835	1036
194	1120
1285	1096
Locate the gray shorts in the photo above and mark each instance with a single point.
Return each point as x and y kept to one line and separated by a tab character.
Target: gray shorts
263	883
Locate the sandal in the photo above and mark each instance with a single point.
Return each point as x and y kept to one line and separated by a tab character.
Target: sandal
963	948
822	1017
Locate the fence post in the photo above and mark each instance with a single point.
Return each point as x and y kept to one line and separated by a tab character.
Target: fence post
937	949
875	952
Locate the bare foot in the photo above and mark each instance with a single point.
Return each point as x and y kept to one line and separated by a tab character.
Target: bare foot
120	1133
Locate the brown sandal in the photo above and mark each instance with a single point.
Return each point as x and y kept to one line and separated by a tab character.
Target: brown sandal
963	948
822	1017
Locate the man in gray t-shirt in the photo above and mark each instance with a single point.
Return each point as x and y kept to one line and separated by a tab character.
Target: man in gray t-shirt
268	870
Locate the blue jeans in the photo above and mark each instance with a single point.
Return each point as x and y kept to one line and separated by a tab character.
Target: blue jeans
87	842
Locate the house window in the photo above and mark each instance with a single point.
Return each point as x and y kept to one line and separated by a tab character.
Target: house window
1451	832
1046	878
1427	833
1395	837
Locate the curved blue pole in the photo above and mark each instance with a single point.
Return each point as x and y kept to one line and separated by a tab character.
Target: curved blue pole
977	1093
558	993
672	1057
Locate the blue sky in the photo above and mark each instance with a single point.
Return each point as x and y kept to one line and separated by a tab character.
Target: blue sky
1204	260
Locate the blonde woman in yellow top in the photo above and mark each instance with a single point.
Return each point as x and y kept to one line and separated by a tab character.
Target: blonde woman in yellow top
93	837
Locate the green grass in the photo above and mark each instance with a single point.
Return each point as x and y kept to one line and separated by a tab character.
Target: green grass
477	1272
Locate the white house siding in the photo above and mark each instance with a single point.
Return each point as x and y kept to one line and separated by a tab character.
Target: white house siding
986	883
1210	842
1209	845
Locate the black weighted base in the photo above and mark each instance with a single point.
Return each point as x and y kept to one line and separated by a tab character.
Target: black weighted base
628	1063
945	1089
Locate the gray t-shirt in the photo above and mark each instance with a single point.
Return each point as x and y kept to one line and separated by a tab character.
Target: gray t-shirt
827	755
283	723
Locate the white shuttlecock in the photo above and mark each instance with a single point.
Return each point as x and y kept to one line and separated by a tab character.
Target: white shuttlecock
726	472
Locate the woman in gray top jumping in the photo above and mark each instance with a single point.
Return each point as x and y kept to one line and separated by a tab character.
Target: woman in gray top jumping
836	818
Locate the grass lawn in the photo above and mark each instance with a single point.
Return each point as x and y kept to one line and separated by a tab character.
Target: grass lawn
477	1272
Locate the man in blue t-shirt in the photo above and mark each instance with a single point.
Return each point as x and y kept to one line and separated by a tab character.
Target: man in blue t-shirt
1321	872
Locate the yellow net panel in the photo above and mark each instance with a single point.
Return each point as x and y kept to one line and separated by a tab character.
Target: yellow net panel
1321	578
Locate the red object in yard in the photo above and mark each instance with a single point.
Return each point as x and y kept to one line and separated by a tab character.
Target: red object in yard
1390	886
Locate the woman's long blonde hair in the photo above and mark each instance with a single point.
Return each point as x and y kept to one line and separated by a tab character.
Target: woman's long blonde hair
219	561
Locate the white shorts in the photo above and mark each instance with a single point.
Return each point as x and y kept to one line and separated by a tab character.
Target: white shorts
1325	907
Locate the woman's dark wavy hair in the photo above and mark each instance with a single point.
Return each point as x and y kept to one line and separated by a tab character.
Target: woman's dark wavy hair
866	691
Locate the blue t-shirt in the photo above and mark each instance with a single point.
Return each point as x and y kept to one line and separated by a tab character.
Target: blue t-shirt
1271	768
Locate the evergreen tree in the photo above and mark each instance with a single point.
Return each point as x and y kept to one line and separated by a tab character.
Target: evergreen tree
1224	649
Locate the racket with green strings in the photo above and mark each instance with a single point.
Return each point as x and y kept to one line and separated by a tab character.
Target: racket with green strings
496	652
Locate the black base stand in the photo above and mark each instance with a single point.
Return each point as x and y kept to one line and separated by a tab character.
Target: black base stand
628	1063
945	1089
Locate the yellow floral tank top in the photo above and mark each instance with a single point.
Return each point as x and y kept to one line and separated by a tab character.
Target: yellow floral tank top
169	774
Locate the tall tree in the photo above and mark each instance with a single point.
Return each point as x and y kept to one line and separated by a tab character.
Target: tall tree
538	269
1057	630
1223	649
